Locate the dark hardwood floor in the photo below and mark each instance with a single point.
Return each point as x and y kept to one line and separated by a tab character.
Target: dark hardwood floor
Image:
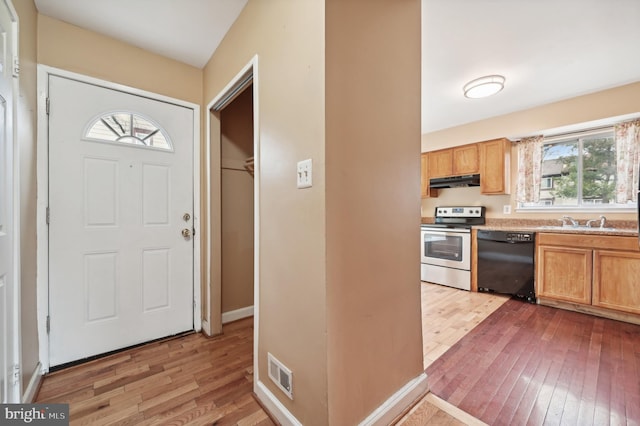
534	365
191	380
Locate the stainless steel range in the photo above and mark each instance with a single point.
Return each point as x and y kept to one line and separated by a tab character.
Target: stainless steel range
445	251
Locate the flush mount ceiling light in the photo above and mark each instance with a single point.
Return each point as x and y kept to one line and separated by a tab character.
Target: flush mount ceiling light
483	86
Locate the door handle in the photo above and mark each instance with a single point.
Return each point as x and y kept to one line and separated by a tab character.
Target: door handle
186	232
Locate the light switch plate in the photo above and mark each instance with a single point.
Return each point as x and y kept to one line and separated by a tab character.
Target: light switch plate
305	174
506	209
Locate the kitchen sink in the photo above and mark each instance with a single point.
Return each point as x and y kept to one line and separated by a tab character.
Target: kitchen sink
576	228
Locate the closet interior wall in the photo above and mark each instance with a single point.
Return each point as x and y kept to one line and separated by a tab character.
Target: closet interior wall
236	152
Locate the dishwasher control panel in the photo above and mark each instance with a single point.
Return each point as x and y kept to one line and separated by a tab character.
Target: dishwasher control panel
518	236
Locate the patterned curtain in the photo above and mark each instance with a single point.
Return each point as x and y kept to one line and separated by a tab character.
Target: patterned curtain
628	161
529	169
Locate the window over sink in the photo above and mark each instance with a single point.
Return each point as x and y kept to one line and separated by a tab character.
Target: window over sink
586	170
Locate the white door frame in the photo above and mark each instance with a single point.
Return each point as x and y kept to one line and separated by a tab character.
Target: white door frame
14	376
212	161
42	256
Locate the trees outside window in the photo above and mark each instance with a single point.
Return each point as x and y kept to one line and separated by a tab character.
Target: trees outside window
578	171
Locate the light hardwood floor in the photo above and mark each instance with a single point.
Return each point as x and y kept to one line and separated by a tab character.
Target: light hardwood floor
189	380
448	314
194	380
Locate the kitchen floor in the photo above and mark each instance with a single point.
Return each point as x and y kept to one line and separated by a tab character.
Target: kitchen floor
531	364
448	314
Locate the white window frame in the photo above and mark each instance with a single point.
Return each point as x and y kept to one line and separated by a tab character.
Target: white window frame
587	207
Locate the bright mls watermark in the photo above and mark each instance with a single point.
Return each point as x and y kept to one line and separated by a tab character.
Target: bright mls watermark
34	414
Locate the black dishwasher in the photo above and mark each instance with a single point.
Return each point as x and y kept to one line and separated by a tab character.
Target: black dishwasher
505	263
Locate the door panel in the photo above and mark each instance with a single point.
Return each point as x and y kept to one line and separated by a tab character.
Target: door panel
121	273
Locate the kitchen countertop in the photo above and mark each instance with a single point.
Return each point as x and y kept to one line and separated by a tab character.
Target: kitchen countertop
627	228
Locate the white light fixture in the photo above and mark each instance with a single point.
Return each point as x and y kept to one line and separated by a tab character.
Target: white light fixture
483	86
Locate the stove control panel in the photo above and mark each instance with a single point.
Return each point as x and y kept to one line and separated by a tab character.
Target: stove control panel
474	211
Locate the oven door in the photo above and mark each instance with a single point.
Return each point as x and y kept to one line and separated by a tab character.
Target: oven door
448	248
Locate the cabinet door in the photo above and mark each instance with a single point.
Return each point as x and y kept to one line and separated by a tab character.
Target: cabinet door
440	163
424	177
616	280
495	171
564	273
465	160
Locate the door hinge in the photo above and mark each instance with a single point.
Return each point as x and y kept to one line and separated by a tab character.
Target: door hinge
16	66
15	374
48	105
48	324
48	215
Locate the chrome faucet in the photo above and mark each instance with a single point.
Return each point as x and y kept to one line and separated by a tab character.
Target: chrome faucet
570	220
602	219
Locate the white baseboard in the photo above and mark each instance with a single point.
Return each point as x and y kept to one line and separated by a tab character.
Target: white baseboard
398	402
237	314
274	406
383	415
30	392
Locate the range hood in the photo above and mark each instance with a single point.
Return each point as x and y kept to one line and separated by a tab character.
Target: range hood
455	181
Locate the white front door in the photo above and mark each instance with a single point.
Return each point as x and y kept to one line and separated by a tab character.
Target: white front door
121	215
9	326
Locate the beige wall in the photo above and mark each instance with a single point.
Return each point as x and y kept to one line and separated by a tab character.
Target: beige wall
27	16
372	199
339	286
288	37
237	203
72	48
596	106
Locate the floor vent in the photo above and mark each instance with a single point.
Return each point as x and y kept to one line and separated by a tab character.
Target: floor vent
281	375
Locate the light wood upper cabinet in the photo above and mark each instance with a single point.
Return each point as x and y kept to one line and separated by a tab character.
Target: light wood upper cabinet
565	273
495	166
441	163
458	161
491	159
616	280
424	177
465	160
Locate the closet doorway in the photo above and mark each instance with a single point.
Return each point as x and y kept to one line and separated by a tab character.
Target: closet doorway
237	208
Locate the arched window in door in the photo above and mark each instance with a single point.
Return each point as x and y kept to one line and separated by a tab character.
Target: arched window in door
128	128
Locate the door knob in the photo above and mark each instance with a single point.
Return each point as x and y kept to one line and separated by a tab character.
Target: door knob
186	232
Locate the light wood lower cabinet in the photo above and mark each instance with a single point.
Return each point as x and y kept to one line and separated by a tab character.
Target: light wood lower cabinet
616	280
565	273
601	273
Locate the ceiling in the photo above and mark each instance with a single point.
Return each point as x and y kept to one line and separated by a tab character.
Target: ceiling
548	50
188	30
